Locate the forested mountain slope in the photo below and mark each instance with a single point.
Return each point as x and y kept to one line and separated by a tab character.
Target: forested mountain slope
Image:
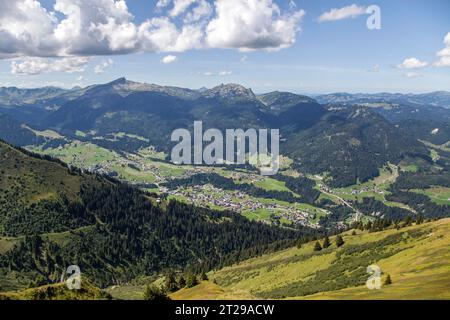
53	216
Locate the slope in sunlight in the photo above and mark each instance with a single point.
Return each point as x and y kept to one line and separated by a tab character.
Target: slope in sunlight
416	258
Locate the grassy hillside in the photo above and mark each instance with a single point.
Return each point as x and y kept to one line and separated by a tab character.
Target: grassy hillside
36	179
58	292
416	258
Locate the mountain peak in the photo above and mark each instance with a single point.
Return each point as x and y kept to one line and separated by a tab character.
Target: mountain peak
230	90
122	80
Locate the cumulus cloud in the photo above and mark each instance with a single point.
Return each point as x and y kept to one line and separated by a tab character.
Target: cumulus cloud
34	65
412	63
199	12
444	54
26	28
169	59
347	12
252	24
105	64
443	62
106	27
180	6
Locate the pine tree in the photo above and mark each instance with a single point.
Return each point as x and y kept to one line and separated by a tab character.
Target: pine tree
204	277
420	219
191	281
388	280
170	282
181	282
317	246
339	241
326	242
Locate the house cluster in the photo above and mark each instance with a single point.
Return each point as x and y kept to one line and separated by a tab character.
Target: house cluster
209	196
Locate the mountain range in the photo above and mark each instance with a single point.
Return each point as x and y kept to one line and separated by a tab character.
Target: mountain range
343	136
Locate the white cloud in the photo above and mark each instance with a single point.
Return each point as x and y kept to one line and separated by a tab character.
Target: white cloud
25	29
169	59
92	27
412	75
412	63
443	62
180	6
106	27
336	14
202	10
225	73
444	54
163	3
222	73
252	24
160	34
105	64
33	66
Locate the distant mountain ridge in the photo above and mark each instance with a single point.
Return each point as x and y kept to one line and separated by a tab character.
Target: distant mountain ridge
437	98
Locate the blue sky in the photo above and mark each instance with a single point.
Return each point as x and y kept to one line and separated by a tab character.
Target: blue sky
341	54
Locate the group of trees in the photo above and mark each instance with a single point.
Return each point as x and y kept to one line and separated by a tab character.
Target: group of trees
172	283
373	207
401	191
302	186
339	241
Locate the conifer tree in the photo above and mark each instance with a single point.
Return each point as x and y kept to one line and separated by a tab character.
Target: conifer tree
170	282
317	246
191	281
153	293
326	242
181	282
339	241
